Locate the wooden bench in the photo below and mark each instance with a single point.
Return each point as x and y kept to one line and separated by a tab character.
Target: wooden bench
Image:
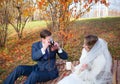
62	72
116	71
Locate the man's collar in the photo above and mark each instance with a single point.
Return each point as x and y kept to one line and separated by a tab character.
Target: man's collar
40	44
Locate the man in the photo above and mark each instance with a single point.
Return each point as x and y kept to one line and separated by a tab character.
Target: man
44	52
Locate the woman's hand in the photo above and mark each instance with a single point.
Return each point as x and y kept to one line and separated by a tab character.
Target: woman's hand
83	67
72	67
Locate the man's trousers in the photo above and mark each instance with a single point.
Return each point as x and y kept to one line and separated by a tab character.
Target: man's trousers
34	75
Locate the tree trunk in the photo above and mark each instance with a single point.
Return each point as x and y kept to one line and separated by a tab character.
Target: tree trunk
4	28
19	35
2	43
3	38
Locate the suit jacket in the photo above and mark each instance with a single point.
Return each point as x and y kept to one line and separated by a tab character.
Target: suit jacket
46	61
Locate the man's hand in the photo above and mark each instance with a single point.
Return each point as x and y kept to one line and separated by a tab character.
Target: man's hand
46	44
56	44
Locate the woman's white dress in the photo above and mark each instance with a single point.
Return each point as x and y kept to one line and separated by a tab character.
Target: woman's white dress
89	76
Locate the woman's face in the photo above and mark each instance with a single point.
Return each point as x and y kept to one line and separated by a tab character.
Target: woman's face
86	46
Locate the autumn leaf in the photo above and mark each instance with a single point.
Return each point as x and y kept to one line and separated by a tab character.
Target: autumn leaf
76	1
89	1
96	1
103	1
1	3
46	4
25	13
43	1
86	5
88	10
19	1
69	1
64	7
107	4
40	4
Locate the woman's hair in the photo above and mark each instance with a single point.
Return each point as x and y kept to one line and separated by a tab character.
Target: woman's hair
44	33
90	40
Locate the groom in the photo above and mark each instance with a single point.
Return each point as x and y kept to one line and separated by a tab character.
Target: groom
44	52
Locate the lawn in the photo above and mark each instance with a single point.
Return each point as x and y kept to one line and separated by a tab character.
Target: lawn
29	27
18	52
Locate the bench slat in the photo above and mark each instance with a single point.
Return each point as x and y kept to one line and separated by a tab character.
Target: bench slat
114	70
118	75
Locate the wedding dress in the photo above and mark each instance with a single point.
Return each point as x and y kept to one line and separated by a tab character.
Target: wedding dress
99	63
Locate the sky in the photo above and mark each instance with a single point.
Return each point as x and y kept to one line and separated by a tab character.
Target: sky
114	4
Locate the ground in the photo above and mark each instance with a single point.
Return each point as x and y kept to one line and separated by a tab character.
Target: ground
18	52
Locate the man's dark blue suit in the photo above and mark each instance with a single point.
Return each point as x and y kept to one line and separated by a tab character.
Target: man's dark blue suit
43	71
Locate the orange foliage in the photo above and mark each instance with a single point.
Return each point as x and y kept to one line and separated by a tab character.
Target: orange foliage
76	1
25	12
103	1
1	1
64	7
65	36
89	1
40	4
19	1
28	11
107	4
62	10
86	5
70	1
96	1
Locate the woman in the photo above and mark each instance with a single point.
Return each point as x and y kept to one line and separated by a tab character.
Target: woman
95	64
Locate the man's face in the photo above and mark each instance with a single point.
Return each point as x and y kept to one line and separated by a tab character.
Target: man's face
46	39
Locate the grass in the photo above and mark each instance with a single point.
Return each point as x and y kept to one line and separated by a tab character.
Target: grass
35	24
106	28
19	51
28	27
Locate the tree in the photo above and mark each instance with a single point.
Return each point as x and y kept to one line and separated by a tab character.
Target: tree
20	13
59	12
16	13
4	21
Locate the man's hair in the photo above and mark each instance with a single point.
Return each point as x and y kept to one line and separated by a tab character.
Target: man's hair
90	40
44	33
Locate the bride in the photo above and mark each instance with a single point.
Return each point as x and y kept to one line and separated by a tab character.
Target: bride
95	64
